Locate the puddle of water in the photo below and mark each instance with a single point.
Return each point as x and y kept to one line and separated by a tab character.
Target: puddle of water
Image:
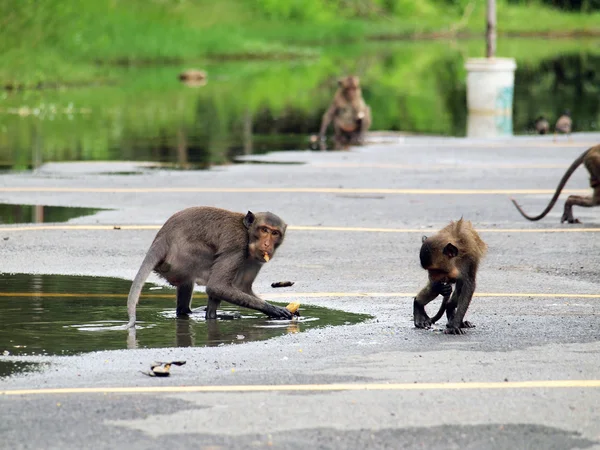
8	368
10	213
57	314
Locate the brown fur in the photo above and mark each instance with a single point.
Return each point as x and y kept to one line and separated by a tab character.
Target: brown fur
219	249
350	115
591	160
451	256
564	124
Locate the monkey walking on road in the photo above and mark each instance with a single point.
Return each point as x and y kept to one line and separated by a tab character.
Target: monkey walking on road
450	256
591	160
219	249
350	115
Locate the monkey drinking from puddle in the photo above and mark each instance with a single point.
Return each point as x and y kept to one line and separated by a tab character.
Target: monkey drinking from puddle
591	160
451	256
219	249
350	115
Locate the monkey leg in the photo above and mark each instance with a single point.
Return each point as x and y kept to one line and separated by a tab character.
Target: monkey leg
211	308
184	298
578	200
457	307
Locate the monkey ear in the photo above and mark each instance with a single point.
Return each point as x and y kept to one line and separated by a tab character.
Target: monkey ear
450	250
249	219
423	238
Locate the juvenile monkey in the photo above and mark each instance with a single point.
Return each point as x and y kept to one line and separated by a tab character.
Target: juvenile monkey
451	256
591	159
219	249
350	115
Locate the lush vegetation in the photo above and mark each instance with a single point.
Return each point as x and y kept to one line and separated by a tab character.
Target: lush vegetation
74	41
412	87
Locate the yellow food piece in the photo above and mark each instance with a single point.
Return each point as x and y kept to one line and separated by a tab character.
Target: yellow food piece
293	307
266	256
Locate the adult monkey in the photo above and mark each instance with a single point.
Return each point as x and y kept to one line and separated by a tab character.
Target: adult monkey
591	160
350	115
220	249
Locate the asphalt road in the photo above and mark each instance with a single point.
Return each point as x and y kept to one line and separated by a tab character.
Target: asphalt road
526	377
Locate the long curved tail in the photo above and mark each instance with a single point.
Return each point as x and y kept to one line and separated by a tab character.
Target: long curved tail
442	309
559	188
153	257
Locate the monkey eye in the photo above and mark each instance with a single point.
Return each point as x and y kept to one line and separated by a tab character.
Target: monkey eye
264	229
276	233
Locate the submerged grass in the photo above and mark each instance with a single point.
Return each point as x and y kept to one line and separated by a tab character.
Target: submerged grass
80	40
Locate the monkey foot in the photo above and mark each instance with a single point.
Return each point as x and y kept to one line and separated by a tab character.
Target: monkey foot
183	312
453	330
467	324
424	324
569	219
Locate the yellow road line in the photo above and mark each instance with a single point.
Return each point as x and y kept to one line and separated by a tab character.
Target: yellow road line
171	295
536	384
458	144
438	166
305	190
33	227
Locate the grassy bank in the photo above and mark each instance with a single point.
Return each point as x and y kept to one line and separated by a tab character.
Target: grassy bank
68	41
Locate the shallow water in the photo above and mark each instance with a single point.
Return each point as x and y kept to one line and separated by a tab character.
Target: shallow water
15	213
248	107
57	314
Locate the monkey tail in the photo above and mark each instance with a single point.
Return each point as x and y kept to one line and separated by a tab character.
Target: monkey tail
153	257
442	310
559	188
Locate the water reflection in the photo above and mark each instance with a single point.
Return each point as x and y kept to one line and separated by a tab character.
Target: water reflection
254	107
54	314
11	213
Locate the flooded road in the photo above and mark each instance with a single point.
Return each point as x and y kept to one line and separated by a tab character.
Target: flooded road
62	315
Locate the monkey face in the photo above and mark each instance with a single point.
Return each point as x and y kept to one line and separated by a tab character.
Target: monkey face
439	259
350	87
266	232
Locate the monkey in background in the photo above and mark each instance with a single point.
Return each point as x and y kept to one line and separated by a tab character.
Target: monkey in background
350	115
591	160
541	124
564	124
219	249
450	256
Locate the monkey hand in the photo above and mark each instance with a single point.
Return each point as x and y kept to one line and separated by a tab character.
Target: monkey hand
277	312
420	317
439	287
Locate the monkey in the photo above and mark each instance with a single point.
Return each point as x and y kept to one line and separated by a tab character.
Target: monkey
591	160
220	249
350	114
542	126
451	257
564	124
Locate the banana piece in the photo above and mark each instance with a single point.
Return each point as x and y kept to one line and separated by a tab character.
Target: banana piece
293	308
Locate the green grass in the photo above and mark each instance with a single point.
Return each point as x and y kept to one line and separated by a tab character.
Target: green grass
68	41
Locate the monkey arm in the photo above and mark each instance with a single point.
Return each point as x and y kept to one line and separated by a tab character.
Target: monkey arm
327	118
425	295
220	285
